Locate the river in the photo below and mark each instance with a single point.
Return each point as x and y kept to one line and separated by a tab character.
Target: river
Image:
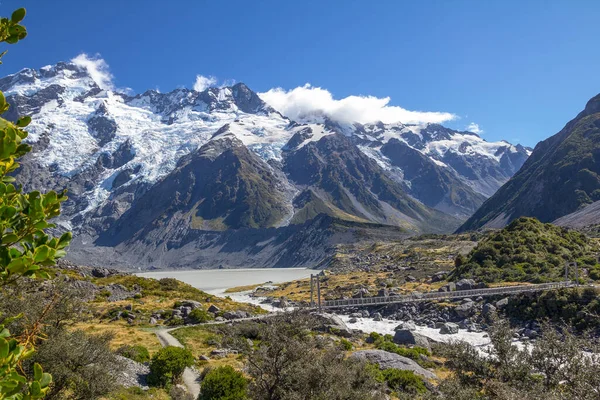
216	281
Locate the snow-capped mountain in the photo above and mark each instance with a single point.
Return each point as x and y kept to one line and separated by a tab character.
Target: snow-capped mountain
223	159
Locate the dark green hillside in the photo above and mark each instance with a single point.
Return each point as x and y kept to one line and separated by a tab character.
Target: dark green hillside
561	176
527	251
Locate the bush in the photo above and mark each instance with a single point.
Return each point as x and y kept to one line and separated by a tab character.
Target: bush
404	381
346	344
526	251
168	284
168	364
136	353
224	383
199	315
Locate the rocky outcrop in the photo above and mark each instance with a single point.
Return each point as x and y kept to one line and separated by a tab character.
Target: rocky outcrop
387	360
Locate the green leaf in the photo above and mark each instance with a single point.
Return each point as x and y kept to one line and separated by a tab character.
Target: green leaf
46	380
35	389
18	15
37	371
4	348
41	253
23	121
10	238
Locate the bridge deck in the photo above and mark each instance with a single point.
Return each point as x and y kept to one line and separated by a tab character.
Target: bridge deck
432	296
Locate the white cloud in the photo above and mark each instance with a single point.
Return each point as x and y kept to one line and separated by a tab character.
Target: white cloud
473	127
97	68
307	102
204	82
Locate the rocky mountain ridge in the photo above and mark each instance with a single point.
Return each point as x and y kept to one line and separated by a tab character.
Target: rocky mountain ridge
151	169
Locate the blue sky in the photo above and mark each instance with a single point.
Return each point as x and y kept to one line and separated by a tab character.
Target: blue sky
518	69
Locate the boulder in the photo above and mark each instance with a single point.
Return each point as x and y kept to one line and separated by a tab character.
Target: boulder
439	276
387	360
410	278
100	272
213	309
465	284
409	338
333	324
191	304
377	317
229	315
408	325
449	328
488	310
502	303
465	310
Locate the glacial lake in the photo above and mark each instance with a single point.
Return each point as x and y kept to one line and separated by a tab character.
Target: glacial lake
216	281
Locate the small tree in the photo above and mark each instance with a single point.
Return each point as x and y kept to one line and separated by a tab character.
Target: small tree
168	364
224	383
25	248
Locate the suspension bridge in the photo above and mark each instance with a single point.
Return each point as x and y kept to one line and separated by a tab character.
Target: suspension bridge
319	303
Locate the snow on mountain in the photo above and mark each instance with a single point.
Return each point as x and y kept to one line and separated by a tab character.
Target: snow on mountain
87	124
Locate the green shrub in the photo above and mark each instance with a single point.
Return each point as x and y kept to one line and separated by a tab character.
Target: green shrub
526	251
168	284
346	344
224	383
168	364
404	381
136	353
199	315
176	321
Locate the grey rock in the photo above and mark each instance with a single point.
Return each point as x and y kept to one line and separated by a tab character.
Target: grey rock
332	323
229	315
213	309
387	360
488	310
500	304
153	321
465	284
377	317
191	304
449	328
204	358
465	310
407	325
130	373
410	338
439	276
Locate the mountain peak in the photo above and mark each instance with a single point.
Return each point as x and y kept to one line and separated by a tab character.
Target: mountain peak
593	105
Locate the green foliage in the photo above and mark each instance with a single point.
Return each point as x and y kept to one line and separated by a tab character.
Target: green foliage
136	353
168	284
526	251
346	344
404	381
577	308
224	383
168	364
25	248
199	315
552	367
12	383
82	365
